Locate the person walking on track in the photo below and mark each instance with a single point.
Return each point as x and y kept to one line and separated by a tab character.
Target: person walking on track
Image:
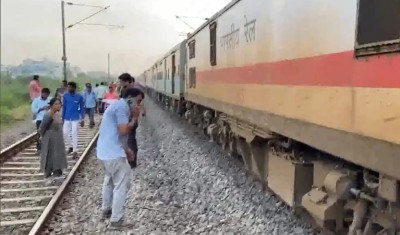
39	107
109	96
100	90
34	90
52	160
72	112
62	90
34	87
89	99
114	155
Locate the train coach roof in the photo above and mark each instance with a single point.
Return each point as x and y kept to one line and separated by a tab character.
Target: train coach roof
175	48
214	17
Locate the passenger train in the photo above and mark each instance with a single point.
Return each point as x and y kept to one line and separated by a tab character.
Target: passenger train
307	94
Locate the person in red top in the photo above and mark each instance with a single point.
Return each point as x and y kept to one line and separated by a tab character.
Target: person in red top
110	95
34	88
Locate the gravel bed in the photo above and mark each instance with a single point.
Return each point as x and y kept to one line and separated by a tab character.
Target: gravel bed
10	135
183	185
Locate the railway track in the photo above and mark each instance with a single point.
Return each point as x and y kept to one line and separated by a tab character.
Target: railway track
26	199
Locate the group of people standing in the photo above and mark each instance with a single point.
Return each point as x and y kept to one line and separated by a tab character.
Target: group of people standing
105	92
57	119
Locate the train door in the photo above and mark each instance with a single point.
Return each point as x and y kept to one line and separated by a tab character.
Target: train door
173	74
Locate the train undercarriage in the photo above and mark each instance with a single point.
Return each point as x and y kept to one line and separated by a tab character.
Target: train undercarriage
339	196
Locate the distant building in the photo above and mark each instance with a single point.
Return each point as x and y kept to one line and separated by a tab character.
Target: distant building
97	74
4	68
44	67
47	68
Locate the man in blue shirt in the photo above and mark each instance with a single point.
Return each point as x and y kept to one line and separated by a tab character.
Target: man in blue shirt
72	113
39	106
90	99
114	154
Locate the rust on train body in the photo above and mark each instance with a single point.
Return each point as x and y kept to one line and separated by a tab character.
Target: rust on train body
307	93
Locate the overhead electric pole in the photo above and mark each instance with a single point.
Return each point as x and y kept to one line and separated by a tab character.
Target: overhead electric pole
64	57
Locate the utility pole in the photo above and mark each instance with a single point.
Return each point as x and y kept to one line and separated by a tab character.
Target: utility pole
64	58
108	65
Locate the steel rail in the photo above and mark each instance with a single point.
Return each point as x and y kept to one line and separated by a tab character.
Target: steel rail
11	150
38	226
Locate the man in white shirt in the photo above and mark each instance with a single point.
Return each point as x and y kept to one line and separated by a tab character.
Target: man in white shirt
100	91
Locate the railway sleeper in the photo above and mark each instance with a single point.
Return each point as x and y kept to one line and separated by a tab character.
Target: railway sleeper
342	198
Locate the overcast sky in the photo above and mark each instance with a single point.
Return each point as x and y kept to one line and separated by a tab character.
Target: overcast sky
32	29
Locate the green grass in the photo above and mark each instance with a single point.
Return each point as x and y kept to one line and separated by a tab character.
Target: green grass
11	117
14	96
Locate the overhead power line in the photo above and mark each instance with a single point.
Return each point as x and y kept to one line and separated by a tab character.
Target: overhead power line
109	25
103	9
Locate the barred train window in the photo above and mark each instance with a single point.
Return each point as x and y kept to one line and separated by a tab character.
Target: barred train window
192	77
378	27
213	44
192	49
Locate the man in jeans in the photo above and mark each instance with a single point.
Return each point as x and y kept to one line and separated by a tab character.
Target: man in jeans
113	153
89	99
72	112
39	107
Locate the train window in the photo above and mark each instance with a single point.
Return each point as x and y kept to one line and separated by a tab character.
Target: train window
192	49
192	77
173	72
213	44
378	28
